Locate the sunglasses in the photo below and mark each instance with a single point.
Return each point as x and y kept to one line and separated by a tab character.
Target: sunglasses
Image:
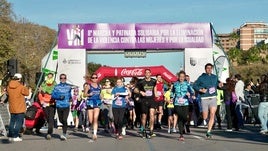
62	77
94	77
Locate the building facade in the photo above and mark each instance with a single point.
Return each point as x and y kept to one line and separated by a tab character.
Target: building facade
247	36
252	33
229	41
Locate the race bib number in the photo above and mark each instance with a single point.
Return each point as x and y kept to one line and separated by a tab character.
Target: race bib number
107	101
181	101
118	101
212	90
159	93
131	103
149	93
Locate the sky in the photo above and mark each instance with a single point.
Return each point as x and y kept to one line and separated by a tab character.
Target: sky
225	15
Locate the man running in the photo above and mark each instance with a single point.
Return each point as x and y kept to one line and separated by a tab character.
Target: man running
148	105
206	85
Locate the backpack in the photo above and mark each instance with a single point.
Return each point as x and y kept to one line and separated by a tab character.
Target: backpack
31	112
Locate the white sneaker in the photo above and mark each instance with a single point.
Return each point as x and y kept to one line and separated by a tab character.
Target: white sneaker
63	137
123	130
17	139
169	131
192	123
87	129
263	131
10	139
205	123
228	130
174	130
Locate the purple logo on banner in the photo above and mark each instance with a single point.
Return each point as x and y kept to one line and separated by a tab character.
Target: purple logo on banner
135	36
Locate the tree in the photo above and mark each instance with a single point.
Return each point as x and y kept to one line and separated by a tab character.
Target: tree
6	12
234	54
254	54
92	67
6	36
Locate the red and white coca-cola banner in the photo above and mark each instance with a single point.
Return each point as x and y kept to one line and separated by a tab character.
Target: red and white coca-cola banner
103	72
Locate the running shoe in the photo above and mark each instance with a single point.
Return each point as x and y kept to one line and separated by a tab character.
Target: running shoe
152	134
63	137
208	135
143	134
120	137
169	132
17	139
181	138
94	137
124	130
263	131
188	129
48	137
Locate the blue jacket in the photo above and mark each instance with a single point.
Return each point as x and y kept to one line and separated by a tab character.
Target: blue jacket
179	91
62	95
209	82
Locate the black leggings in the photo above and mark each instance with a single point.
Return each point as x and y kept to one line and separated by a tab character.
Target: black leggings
63	114
50	112
118	118
218	116
182	112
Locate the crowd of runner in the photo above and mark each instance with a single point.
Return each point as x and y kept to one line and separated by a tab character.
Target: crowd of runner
148	104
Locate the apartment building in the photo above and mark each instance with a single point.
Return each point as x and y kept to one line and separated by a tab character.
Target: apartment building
229	41
252	33
247	36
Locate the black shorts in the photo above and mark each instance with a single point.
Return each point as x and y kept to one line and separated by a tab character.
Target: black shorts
191	107
171	111
147	104
159	103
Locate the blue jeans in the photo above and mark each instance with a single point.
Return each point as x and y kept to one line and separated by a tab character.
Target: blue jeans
239	115
16	122
263	115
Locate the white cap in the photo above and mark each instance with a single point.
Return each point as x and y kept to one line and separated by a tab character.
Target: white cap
17	75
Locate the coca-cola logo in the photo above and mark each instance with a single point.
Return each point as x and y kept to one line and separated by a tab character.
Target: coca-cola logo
131	72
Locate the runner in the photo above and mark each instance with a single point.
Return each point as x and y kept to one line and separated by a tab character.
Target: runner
148	105
120	94
62	95
181	93
172	117
48	104
206	85
159	99
107	113
93	103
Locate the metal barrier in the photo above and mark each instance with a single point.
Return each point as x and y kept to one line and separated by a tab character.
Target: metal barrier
4	118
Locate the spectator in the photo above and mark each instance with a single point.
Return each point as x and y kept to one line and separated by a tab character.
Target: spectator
17	106
263	106
239	92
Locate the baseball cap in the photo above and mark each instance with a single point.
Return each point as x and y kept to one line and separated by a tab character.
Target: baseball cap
107	80
17	75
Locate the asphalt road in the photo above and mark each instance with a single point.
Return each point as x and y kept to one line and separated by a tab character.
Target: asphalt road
247	139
